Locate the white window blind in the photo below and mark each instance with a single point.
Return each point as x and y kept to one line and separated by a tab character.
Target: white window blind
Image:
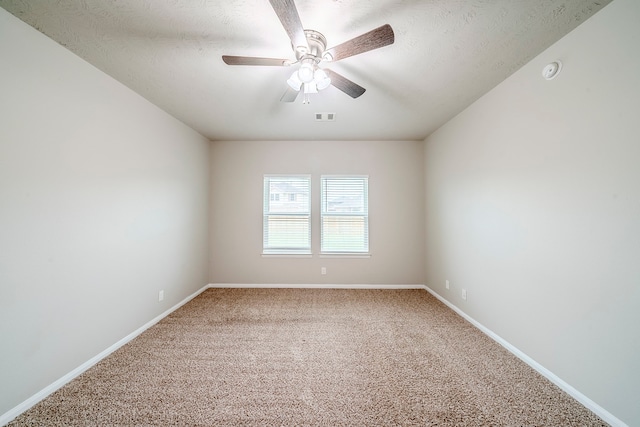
345	214
287	214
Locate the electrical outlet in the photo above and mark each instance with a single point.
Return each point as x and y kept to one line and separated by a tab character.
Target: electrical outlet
464	294
323	270
446	284
160	295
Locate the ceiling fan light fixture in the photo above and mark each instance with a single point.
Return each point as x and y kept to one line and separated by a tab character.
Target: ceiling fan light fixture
294	81
310	88
305	73
321	79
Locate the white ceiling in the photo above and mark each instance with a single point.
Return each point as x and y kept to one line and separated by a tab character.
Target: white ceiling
447	53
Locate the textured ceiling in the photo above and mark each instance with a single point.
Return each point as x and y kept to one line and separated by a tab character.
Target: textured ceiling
447	53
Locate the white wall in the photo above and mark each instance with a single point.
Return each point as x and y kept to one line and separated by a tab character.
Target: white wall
103	202
396	223
533	206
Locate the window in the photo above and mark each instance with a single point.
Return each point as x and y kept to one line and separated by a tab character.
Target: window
345	214
287	215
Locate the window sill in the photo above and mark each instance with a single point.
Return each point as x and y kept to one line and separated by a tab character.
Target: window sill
345	255
287	255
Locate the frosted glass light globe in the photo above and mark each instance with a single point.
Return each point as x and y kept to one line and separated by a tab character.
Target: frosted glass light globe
305	73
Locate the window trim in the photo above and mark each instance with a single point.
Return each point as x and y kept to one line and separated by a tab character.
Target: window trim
345	254
267	197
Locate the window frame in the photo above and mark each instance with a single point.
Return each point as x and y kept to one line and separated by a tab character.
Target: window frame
268	197
325	213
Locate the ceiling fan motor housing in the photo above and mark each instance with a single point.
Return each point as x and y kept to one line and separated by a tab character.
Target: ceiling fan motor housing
317	45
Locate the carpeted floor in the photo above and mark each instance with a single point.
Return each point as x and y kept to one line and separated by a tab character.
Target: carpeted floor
311	357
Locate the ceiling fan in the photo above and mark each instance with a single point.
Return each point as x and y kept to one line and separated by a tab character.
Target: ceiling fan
310	48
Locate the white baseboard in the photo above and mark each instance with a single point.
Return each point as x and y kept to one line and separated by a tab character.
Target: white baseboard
584	400
588	403
312	286
24	406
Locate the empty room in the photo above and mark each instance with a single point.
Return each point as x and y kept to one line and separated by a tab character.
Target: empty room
295	212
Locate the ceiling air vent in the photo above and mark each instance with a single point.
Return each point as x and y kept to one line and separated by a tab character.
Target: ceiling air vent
325	117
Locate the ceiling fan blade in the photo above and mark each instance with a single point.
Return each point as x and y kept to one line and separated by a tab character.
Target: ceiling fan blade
381	36
288	14
250	60
290	95
344	84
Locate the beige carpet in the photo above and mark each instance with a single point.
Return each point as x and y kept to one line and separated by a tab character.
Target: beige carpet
307	357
